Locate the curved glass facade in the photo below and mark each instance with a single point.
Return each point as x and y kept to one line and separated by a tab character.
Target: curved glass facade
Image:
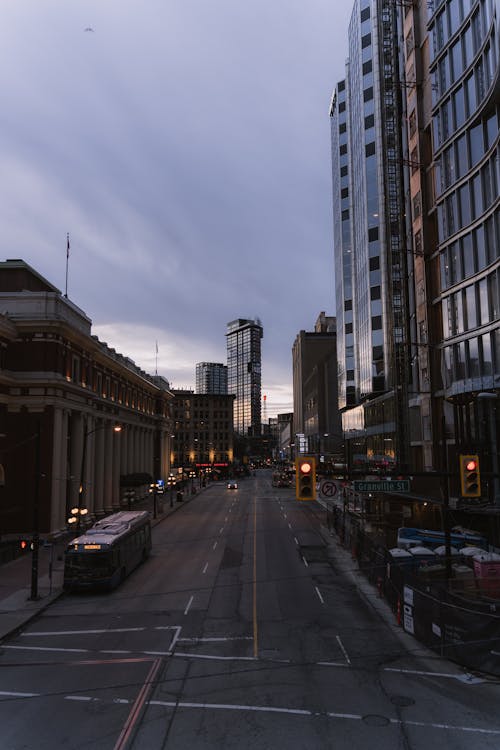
464	70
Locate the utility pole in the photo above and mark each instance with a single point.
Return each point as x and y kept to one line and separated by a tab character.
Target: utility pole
36	538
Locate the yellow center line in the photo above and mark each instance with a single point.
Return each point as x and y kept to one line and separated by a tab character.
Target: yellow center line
255	630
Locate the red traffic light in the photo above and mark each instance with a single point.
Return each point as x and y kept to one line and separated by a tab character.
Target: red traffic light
471	465
24	543
305	468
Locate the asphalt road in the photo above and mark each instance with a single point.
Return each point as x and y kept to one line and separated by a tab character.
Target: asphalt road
243	630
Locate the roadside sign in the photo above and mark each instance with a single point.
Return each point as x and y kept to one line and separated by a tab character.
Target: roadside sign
390	485
329	488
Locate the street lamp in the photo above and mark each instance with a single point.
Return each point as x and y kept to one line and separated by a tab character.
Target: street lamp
76	515
81	490
153	489
171	485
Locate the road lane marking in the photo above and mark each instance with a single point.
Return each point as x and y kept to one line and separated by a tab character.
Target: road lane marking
221	530
305	561
319	595
188	605
329	714
263	709
214	545
342	648
331	664
290	526
82	632
12	694
79	698
466	678
205	568
114	651
221	639
47	648
296	541
231	707
137	707
212	657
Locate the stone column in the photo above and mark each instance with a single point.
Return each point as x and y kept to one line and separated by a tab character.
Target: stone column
116	499
76	426
99	472
58	485
88	486
108	469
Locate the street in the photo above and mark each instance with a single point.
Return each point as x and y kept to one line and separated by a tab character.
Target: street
242	630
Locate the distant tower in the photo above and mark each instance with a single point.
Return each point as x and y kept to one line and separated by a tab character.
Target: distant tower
244	373
211	377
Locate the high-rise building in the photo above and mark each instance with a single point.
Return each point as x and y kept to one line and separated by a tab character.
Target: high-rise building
415	155
211	377
244	374
315	400
370	232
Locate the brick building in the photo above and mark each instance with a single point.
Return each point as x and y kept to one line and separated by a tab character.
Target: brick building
62	395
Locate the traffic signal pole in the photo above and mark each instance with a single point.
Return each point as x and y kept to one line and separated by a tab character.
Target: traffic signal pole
446	506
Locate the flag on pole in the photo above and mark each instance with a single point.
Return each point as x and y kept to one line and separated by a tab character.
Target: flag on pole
67	245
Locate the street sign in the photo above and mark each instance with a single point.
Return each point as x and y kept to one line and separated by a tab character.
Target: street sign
389	485
329	488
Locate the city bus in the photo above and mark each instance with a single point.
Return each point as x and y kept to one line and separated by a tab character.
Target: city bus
106	553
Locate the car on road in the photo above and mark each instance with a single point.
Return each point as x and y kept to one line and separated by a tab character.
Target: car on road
232	485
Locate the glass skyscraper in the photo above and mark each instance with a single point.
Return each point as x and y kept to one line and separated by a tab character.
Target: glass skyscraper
211	377
244	374
370	234
416	179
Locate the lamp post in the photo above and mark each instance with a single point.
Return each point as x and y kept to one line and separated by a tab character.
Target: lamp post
36	538
81	491
171	484
153	489
75	518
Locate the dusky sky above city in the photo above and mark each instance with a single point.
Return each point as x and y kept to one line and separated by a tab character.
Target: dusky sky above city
184	145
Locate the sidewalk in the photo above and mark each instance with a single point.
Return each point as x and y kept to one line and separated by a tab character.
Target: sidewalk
16	606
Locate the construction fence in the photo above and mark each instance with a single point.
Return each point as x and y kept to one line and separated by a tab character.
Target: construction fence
452	617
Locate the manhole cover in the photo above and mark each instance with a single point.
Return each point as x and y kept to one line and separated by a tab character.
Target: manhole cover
374	720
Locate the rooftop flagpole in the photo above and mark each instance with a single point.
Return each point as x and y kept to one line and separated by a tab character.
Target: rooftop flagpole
156	368
67	262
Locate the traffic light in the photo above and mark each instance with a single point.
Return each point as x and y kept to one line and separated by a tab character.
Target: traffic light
305	478
470	478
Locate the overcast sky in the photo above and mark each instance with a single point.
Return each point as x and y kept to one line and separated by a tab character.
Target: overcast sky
185	147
